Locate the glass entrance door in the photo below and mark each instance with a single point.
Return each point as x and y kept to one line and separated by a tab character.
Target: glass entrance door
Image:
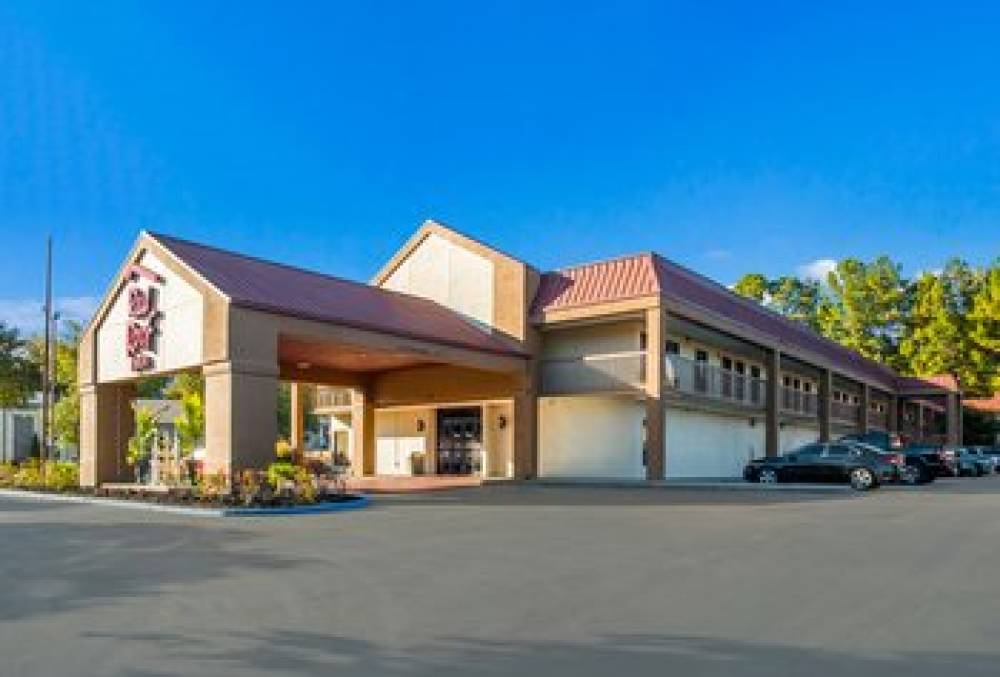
460	441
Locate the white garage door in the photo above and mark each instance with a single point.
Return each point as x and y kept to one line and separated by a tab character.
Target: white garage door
793	437
710	446
599	437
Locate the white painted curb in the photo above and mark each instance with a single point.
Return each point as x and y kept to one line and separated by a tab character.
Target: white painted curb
361	502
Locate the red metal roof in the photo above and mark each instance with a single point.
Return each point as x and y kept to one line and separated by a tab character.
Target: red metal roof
649	274
945	381
273	287
987	404
613	280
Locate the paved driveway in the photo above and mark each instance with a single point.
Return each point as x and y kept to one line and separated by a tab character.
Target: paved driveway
514	580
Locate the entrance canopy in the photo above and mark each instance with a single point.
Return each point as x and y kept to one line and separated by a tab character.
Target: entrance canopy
246	322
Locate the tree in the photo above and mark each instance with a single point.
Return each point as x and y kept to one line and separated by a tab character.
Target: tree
183	384
140	445
754	286
865	308
984	334
20	377
189	388
933	340
796	298
66	410
191	423
284	411
791	296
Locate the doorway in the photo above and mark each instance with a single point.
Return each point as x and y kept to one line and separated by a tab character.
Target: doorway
460	441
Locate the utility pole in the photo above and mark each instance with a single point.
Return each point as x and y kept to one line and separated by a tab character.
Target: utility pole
46	389
53	382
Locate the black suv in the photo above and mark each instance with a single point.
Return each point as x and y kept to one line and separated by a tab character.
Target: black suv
929	461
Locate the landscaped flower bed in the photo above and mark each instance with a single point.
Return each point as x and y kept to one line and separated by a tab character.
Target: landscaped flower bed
281	487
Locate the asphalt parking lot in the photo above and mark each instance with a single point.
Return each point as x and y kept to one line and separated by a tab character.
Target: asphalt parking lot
509	580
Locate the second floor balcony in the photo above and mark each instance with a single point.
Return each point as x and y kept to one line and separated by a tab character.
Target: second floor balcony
690	377
603	372
332	398
799	402
845	412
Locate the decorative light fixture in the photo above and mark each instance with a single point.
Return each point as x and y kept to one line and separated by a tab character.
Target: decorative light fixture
421	426
501	421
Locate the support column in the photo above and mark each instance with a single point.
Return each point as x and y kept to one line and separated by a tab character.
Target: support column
654	386
362	432
866	403
825	405
526	434
893	414
920	422
953	419
297	423
107	421
772	415
241	422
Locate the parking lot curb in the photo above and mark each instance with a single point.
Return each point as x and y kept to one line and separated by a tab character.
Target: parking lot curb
705	485
361	501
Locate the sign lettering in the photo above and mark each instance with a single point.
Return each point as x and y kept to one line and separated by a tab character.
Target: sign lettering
141	330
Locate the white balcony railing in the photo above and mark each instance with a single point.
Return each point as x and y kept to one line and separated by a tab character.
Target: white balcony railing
844	411
691	377
329	398
878	419
799	402
607	372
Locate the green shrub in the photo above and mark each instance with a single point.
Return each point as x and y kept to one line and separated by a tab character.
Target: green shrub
279	471
283	450
213	485
305	487
29	475
7	472
62	476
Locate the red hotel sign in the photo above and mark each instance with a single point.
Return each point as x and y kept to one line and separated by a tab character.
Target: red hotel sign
143	318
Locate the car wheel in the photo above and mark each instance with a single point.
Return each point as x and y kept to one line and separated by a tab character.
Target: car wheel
767	476
911	476
862	479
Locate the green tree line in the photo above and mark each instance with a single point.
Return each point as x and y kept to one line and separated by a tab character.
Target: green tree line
941	322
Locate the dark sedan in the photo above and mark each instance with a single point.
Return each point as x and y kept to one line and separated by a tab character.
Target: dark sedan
927	461
831	463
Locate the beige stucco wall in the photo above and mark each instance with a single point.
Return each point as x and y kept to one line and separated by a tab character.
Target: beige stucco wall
498	439
449	274
179	340
442	384
593	339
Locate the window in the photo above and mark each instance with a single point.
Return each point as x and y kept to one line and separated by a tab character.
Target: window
754	371
741	368
856	400
727	364
810	450
788	381
797	384
701	356
807	386
838	451
673	348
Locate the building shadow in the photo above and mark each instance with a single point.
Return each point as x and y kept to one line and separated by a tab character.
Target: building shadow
522	494
50	567
313	653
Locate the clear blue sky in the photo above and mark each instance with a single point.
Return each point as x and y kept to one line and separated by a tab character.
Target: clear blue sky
729	137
